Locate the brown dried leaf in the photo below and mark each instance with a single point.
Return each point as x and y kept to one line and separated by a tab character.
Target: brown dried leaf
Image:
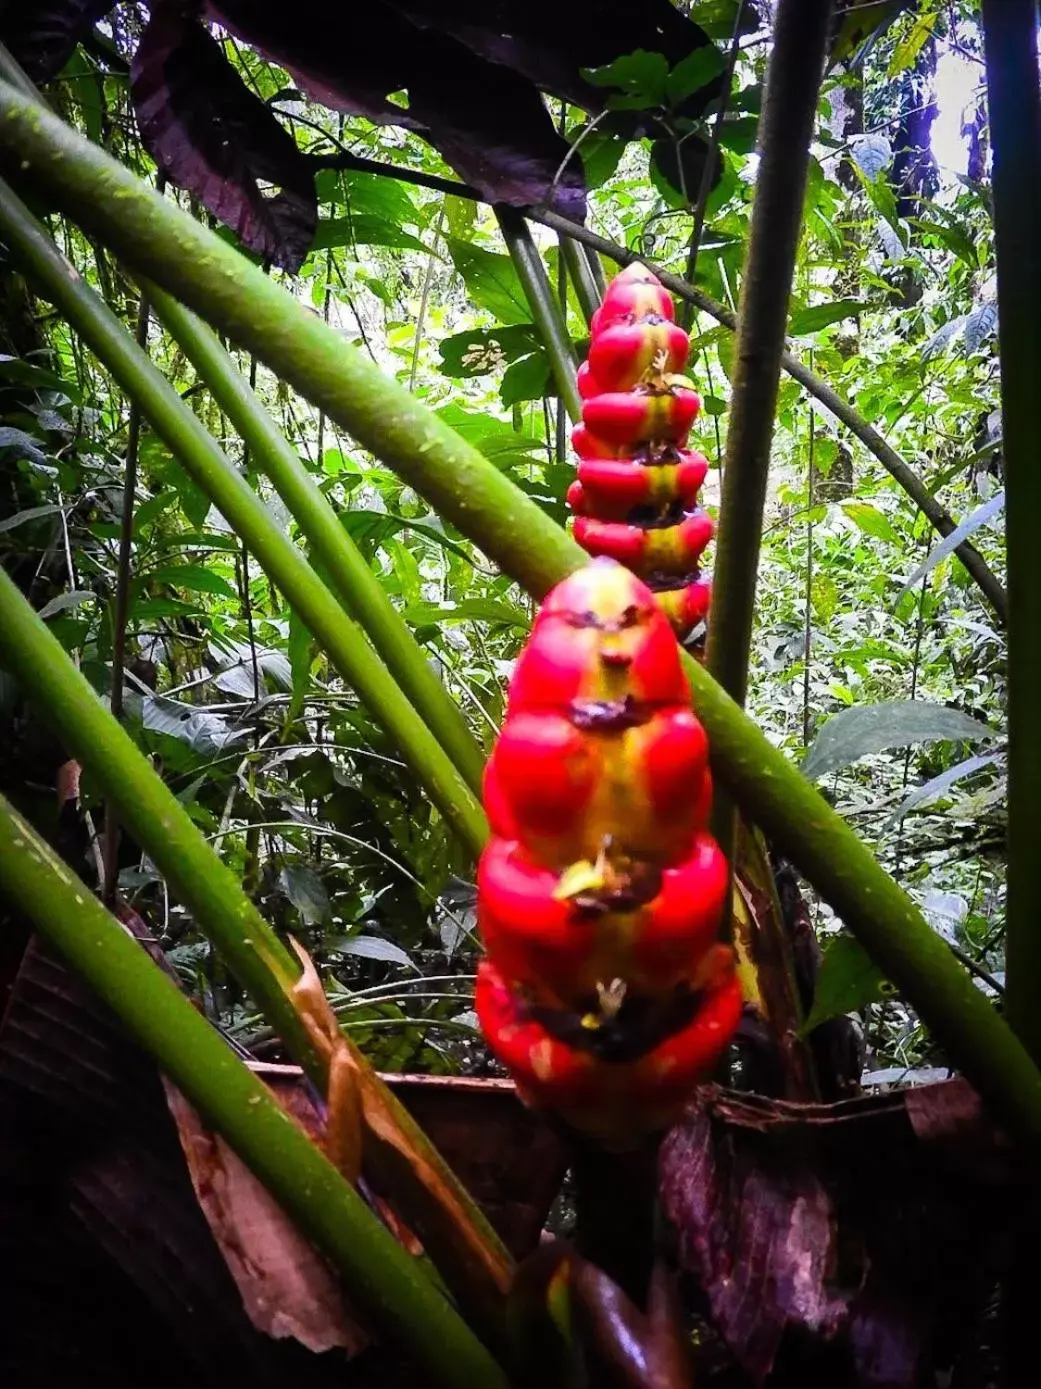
286	1287
866	1226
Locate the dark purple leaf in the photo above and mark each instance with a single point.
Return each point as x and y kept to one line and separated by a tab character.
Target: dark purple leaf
858	1232
41	34
550	42
487	121
215	138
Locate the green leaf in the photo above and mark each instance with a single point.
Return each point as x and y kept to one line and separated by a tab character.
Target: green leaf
196	577
300	651
897	723
848	981
905	55
484	350
692	73
31	513
366	193
64	601
819	316
306	892
483	609
372	948
490	280
363	229
641	76
601	152
148	609
526	379
872	521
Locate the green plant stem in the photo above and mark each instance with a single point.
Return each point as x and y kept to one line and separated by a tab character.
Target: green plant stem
196	266
1010	30
121	606
203	460
350	576
546	312
789	107
387	1282
580	273
222	911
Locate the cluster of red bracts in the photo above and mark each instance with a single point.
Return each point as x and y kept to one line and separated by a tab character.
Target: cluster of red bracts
636	498
604	991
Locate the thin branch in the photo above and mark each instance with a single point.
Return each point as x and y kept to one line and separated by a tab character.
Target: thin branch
120	616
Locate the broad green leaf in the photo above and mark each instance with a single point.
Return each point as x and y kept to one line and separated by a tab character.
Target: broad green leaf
819	316
898	723
196	577
22	445
306	893
21	372
149	609
528	378
364	193
363	229
848	981
149	510
872	521
483	609
905	55
692	73
301	646
372	948
64	601
484	350
641	77
490	280
601	152
31	513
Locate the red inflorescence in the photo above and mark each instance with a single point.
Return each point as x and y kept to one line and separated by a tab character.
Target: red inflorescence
600	893
636	498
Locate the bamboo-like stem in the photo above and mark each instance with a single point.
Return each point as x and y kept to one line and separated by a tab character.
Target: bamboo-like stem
1010	30
200	269
789	106
390	1285
223	912
546	312
580	273
203	459
905	477
350	576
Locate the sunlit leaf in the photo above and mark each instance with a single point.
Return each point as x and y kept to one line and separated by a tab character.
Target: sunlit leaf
899	723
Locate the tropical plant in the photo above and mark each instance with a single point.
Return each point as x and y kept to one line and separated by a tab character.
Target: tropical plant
284	473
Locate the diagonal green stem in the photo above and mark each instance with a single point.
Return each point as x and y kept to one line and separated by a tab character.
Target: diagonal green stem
545	310
203	459
223	912
1010	30
390	1284
350	576
157	238
581	274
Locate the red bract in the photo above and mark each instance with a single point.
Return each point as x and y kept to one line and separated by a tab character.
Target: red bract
636	493
600	892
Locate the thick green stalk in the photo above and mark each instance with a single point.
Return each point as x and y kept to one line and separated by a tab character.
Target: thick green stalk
203	460
200	269
223	912
581	274
789	106
389	1284
350	576
545	311
1014	101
